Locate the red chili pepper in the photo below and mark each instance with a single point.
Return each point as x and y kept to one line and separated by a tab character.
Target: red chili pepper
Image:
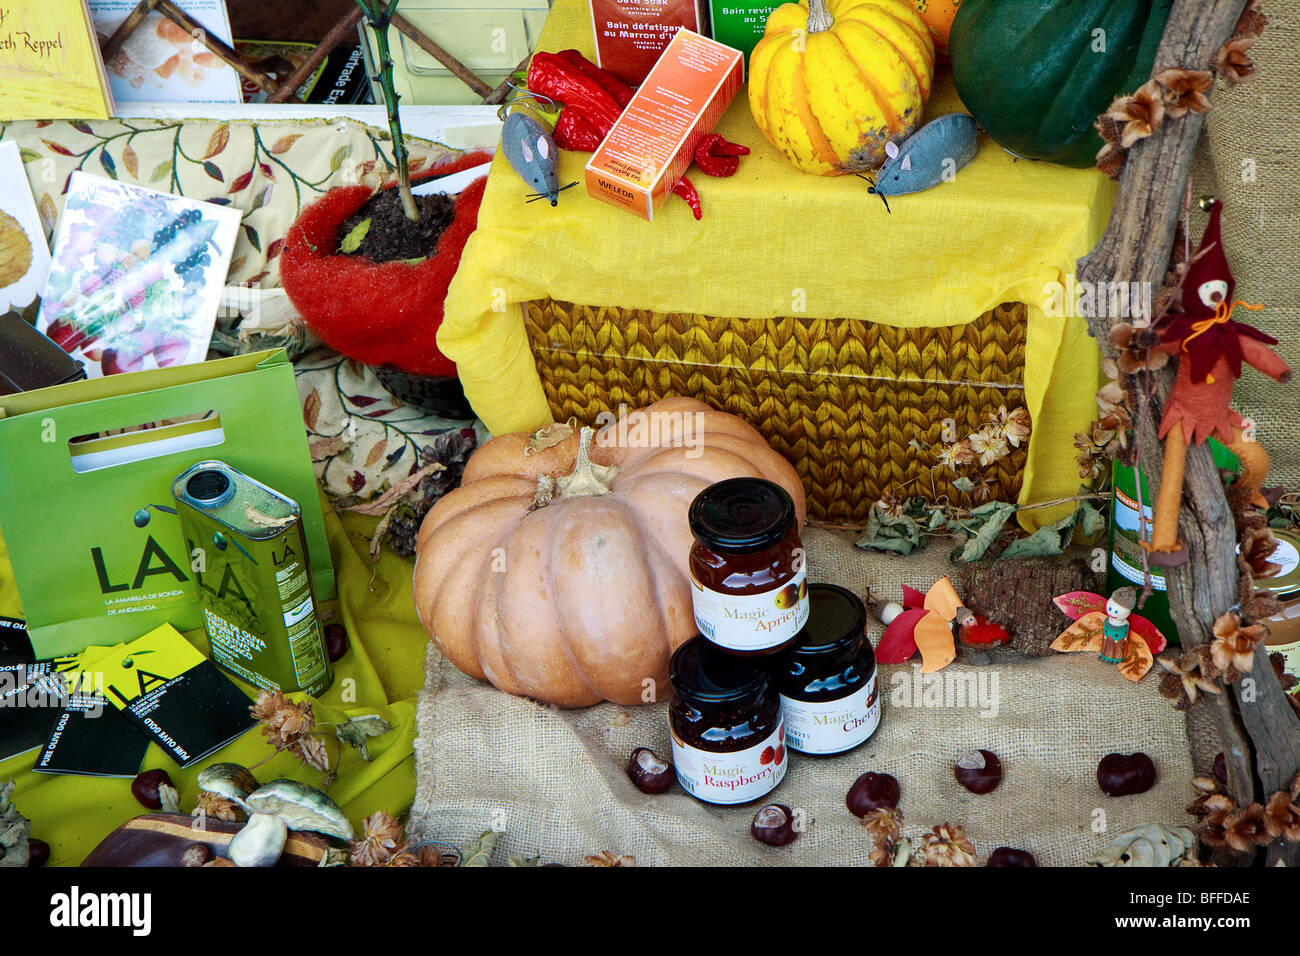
717	157
687	192
557	79
575	131
610	83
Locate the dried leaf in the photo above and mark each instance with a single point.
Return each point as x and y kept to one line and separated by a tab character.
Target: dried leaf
479	853
544	438
1085	634
395	494
993	515
14	830
264	520
311	751
328	447
171	800
311	409
606	858
355	731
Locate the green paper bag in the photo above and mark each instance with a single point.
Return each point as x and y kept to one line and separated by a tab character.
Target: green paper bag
89	522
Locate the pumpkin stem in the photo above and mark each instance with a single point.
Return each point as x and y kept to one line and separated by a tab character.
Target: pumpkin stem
587	478
819	17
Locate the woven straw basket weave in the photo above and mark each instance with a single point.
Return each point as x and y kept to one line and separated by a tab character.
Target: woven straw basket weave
846	400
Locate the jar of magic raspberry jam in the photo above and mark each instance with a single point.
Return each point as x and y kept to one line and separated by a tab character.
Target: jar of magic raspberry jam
725	721
827	677
749	586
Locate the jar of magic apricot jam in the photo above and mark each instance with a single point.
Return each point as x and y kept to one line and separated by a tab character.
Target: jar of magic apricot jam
748	583
827	677
725	722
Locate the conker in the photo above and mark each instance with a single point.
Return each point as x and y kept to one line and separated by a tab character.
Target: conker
38	852
872	791
196	854
650	772
1122	775
774	825
1006	856
145	788
979	771
336	641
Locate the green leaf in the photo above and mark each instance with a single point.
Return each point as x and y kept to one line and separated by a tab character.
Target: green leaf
514	859
1046	541
340	154
937	519
479	853
355	731
162	169
29	155
995	515
14	830
1091	521
896	535
352	241
964	484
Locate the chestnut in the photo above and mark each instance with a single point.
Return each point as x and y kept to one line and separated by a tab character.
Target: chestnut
145	788
196	854
336	641
38	852
979	771
650	772
774	825
872	791
1006	856
1122	775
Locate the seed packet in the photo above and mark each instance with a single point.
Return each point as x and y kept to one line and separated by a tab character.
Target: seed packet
136	276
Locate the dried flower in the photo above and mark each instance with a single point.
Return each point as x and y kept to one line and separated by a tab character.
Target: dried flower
605	858
1111	160
1234	645
989	444
886	828
283	721
954	455
1015	425
216	806
1183	682
1282	817
891	505
1288	681
1137	349
1233	62
947	845
311	752
1252	21
1257	546
1246	828
381	840
1185	90
1142	113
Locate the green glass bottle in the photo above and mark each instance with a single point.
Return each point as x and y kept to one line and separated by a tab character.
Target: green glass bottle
1124	566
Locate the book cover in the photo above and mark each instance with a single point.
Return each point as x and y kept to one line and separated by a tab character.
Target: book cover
161	62
173	695
15	645
49	62
136	276
24	255
31	696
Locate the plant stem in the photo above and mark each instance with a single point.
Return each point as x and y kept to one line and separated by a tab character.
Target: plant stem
819	17
378	16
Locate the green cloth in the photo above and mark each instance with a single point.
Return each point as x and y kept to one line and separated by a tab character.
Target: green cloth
382	673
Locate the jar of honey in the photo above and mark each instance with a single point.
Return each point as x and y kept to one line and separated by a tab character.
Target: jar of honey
749	586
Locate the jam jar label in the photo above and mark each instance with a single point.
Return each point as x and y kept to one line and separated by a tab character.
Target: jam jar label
752	622
832	727
737	777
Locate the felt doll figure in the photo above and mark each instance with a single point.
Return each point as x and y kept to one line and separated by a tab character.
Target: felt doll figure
1114	639
1210	347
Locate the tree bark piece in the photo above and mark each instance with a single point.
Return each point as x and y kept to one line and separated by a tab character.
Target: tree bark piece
1136	248
1018	595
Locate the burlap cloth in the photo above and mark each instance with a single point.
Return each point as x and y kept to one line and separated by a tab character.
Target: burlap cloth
553	781
1248	158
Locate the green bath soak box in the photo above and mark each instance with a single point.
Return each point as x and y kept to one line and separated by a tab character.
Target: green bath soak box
738	24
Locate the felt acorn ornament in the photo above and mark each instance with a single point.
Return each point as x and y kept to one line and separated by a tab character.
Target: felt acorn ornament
1210	345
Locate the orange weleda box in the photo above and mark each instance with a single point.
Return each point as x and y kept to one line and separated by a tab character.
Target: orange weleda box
653	142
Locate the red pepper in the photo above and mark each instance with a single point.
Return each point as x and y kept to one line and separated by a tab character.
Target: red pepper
574	131
717	157
687	192
610	83
557	79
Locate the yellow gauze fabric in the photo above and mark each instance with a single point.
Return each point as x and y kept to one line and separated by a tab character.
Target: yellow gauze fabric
774	241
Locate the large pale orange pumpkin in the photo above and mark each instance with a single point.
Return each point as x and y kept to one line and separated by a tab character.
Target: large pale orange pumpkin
558	569
833	81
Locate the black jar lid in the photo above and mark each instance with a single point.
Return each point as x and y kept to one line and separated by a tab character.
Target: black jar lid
742	514
703	673
836	619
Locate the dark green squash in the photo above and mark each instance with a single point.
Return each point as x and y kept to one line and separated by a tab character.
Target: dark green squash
1030	72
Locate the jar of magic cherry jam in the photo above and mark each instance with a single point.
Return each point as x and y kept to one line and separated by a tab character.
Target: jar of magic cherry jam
749	586
827	678
725	721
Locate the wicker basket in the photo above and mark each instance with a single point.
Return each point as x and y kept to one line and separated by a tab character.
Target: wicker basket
846	400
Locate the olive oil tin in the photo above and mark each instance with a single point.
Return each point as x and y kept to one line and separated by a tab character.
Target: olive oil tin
254	583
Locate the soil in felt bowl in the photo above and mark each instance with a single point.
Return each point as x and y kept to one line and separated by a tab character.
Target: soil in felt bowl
392	237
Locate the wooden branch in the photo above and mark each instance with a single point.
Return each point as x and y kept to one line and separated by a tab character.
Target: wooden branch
498	96
219	47
338	33
126	28
1136	248
458	69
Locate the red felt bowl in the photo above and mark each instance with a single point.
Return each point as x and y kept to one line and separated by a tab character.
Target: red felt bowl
380	313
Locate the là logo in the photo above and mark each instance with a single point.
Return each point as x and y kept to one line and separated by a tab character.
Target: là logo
153	561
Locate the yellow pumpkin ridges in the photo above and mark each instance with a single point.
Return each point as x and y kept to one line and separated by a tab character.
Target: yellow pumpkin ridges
842	99
924	41
811	123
